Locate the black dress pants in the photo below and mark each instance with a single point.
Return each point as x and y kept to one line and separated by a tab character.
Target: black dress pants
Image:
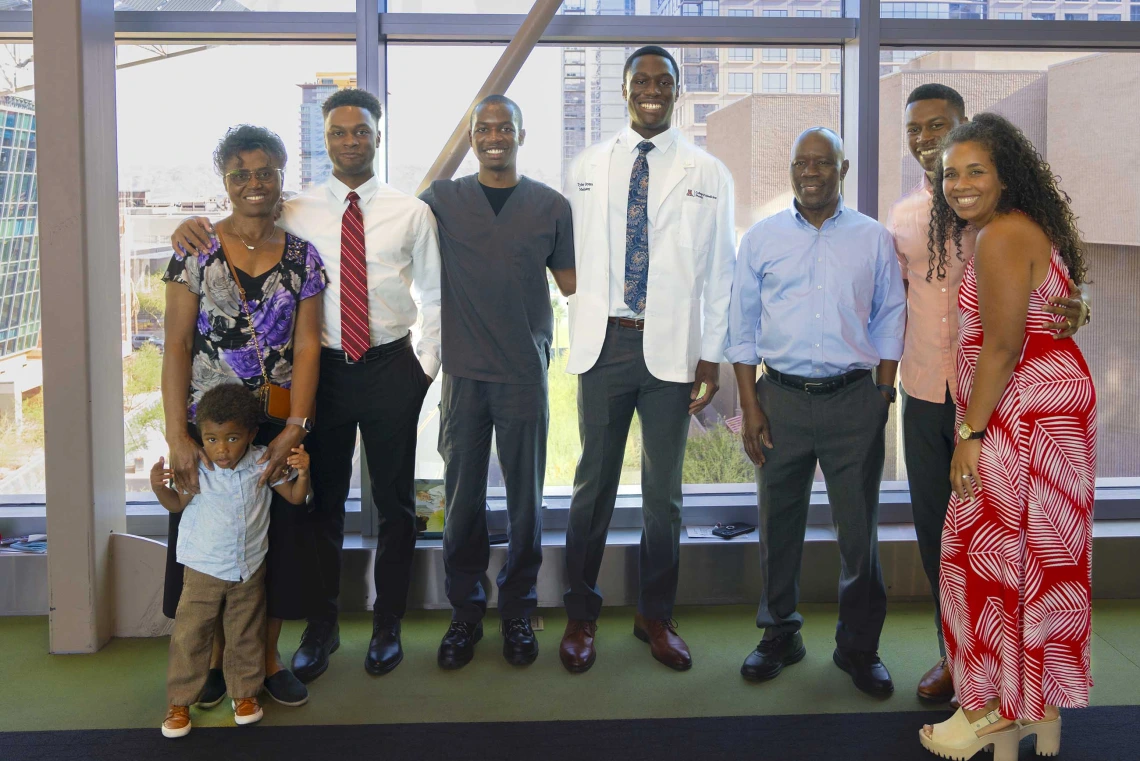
381	396
928	448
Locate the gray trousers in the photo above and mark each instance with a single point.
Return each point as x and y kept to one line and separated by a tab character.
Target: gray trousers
519	415
844	432
928	446
608	394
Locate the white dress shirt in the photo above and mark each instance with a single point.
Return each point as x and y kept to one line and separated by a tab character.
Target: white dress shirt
621	167
401	252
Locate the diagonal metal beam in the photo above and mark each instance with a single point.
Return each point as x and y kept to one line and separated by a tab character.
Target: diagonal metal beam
497	83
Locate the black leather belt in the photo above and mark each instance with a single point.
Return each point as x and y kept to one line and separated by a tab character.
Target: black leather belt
373	354
816	385
627	322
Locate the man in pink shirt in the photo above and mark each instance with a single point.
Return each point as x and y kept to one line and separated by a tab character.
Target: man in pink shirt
927	374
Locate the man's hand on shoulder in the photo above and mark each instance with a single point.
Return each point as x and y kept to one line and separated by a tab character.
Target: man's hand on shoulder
194	235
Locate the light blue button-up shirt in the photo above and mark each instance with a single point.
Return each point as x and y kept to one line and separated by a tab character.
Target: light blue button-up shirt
225	528
817	303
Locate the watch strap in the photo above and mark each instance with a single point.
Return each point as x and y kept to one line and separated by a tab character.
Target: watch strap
304	422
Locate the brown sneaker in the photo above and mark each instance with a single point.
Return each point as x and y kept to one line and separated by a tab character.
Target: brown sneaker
177	721
664	642
247	711
577	649
936	686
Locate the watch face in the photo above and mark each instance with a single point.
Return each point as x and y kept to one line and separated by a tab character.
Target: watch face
964	431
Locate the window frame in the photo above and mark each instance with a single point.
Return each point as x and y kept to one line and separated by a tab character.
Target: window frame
371	30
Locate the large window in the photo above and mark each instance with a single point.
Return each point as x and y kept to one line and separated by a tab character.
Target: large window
745	109
166	174
736	126
21	367
1050	96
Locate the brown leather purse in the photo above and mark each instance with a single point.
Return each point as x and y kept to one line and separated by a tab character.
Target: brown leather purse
276	400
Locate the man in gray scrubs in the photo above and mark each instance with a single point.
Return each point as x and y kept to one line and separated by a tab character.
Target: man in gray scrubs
499	233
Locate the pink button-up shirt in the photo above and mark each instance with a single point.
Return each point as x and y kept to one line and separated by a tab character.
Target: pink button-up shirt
931	340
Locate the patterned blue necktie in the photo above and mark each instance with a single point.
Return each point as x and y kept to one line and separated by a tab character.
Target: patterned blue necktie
637	231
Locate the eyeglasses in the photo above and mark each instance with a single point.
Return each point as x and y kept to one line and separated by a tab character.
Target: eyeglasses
265	175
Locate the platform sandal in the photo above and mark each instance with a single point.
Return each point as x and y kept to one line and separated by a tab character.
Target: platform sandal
957	739
1046	735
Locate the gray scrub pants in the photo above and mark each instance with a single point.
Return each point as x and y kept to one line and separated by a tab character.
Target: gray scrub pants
844	432
519	415
608	394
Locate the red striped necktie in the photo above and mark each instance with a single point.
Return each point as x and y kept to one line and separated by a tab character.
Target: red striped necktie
353	282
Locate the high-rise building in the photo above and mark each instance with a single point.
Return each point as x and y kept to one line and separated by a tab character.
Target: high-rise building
19	243
592	106
315	165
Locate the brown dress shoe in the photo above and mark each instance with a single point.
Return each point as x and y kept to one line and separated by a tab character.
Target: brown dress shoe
936	686
666	646
577	649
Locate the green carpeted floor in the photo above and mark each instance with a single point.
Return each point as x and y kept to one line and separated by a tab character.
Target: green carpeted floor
123	685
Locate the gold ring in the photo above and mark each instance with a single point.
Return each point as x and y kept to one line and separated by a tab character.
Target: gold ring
1069	322
965	475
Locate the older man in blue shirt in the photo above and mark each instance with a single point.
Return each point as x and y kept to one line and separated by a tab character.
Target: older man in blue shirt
818	298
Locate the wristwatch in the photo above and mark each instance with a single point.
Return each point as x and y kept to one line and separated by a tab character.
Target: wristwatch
965	432
304	422
890	391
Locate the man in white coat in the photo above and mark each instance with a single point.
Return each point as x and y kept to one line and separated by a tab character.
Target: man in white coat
653	228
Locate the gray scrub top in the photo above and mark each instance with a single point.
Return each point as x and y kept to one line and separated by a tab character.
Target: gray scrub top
496	320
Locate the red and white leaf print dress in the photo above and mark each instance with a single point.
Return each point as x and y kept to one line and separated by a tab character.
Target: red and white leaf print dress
1015	585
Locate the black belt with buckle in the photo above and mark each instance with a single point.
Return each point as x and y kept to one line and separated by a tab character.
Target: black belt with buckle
627	322
816	385
373	354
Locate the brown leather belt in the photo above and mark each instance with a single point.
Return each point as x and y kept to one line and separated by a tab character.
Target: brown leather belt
626	322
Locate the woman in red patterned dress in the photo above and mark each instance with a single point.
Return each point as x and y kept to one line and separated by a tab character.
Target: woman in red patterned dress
1017	543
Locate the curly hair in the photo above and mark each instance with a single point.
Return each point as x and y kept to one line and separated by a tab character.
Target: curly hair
244	138
229	403
1030	187
351	96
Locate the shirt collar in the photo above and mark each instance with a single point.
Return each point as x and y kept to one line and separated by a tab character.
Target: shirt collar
340	191
925	184
839	209
662	142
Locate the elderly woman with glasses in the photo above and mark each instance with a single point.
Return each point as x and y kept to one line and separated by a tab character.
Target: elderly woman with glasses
243	311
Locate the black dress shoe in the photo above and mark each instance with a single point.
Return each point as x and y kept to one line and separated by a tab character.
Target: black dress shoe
866	670
320	640
457	647
520	646
384	651
771	655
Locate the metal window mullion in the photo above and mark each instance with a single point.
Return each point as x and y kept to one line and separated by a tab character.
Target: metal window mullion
618	30
1009	35
368	77
166	26
860	107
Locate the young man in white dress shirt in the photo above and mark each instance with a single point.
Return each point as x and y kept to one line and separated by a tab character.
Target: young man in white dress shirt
655	245
378	244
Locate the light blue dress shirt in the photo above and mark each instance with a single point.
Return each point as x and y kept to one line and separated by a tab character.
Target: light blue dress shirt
224	530
816	303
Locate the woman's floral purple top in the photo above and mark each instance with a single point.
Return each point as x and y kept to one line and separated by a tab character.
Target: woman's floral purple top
223	348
